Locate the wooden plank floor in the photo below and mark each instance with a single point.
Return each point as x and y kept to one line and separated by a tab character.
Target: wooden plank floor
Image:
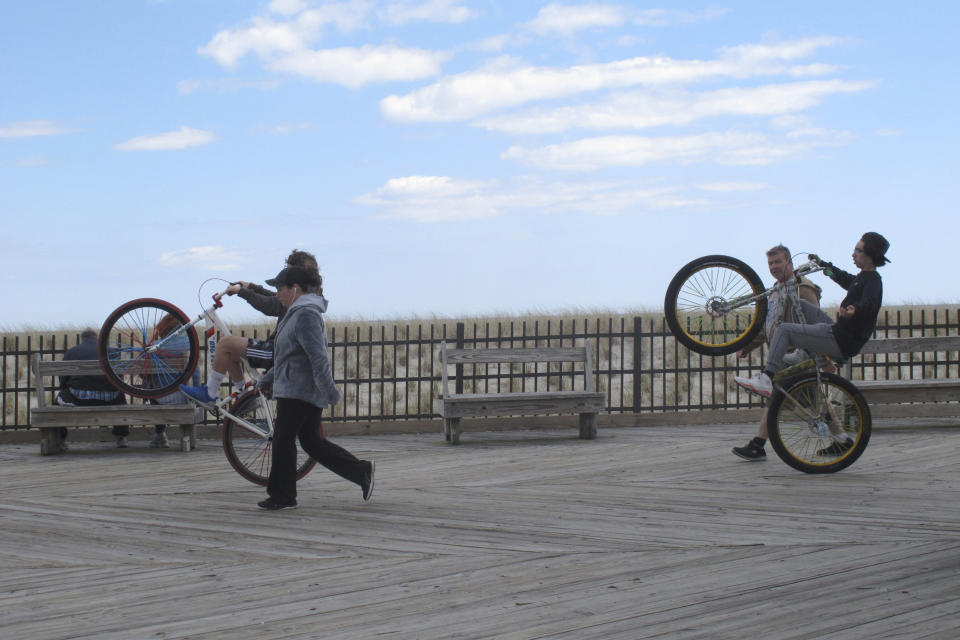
654	532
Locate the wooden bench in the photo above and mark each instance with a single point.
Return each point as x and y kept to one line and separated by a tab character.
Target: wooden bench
918	397
49	419
457	405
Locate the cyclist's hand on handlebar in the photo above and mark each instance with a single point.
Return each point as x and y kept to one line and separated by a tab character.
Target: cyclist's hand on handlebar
812	257
235	287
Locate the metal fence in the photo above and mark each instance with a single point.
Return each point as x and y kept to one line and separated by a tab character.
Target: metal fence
392	372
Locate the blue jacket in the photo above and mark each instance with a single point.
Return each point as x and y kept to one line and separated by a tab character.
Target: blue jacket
301	367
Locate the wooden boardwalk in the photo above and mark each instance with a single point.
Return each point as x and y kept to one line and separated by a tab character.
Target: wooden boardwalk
654	532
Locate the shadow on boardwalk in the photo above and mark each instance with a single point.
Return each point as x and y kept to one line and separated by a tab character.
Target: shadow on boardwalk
642	533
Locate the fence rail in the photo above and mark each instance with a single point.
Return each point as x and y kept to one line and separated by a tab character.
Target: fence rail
391	371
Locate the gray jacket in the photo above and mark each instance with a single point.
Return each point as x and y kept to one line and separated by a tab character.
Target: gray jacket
301	368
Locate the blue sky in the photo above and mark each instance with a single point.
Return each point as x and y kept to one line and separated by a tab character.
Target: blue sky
465	157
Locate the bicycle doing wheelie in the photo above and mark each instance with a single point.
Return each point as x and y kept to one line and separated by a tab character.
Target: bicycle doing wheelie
148	347
818	422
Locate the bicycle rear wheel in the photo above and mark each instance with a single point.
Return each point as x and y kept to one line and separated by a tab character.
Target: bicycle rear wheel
250	454
697	300
819	427
145	350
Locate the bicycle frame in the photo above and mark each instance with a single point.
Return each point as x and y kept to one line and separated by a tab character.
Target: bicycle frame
720	308
212	324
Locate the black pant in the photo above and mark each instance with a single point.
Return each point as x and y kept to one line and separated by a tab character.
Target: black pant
118	430
299	419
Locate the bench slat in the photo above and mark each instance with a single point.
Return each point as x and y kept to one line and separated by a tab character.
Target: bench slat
897	391
112	415
912	345
545	354
466	405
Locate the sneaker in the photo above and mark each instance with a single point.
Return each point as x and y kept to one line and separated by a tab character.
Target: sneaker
160	441
122	442
759	384
796	356
752	451
272	505
199	393
367	483
836	448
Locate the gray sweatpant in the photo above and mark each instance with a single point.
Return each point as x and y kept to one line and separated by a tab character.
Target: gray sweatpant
816	336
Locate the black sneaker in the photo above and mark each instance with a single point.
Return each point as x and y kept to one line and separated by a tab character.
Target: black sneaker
752	451
836	448
367	483
272	505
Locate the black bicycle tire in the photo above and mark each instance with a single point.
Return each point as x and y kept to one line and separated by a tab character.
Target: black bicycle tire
258	473
675	323
785	453
104	347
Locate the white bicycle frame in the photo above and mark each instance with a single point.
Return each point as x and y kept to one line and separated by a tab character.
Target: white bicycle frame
211	325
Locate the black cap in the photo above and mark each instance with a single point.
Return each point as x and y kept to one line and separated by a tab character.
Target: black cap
294	275
875	246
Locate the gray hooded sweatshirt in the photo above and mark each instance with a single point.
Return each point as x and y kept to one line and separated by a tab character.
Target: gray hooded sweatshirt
301	368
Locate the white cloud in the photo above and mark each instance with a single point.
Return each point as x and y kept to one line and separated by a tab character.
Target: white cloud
264	37
226	85
356	66
641	109
287	7
567	19
286	43
664	17
731	187
33	128
474	93
207	257
448	11
729	148
183	138
446	199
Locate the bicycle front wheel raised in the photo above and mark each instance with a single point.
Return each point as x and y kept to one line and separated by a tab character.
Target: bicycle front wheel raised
819	427
145	348
707	309
250	451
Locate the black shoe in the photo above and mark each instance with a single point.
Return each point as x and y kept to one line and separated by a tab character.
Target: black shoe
753	451
836	448
272	505
367	483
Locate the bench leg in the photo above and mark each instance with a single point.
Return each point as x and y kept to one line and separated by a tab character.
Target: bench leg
451	430
188	442
588	426
50	441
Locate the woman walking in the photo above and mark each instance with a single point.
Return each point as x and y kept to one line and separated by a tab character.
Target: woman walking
302	383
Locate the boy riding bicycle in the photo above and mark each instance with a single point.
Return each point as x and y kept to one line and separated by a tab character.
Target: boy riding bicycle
841	339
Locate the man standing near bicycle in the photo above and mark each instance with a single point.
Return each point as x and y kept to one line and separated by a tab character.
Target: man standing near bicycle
232	350
841	339
779	309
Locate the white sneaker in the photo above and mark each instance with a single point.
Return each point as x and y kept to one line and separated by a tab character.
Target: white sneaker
796	356
160	441
122	442
759	384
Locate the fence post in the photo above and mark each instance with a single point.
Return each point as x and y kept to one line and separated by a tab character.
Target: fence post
459	367
637	326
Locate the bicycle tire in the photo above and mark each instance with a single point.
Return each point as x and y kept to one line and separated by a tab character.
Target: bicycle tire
248	454
691	298
123	348
800	442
